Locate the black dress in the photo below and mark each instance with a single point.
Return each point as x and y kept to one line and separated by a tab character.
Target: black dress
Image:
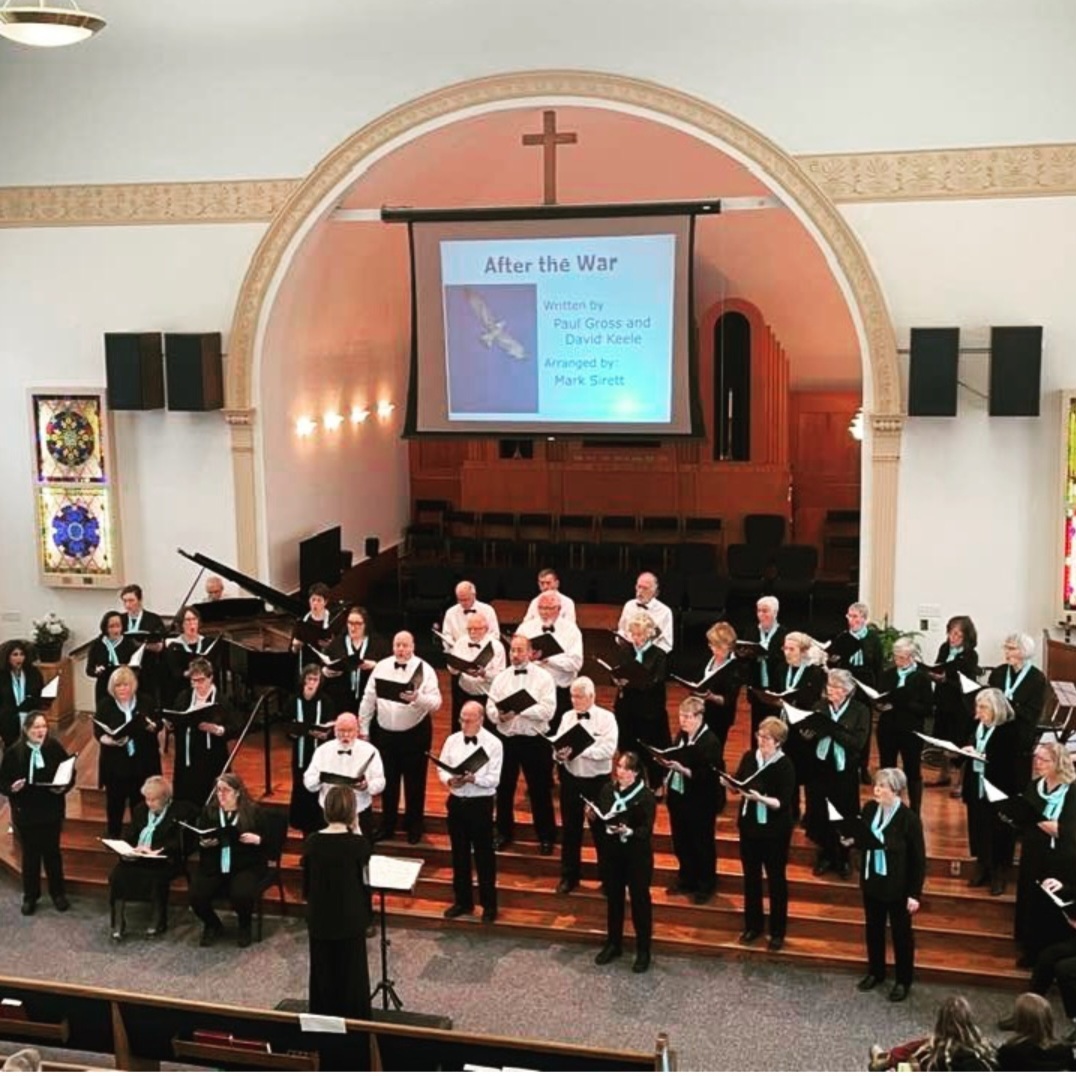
641	714
304	811
337	903
727	682
148	880
122	769
861	657
347	689
1028	697
954	712
240	879
11	716
990	840
150	675
693	806
765	672
807	687
176	660
199	756
100	657
897	727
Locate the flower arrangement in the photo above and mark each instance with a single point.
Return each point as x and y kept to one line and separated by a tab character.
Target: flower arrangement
50	634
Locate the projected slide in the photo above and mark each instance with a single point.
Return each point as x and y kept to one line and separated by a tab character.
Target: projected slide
560	329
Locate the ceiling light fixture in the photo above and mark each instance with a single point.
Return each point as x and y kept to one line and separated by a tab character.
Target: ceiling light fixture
47	26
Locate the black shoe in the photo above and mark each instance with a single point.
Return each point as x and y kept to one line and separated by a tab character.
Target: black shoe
500	842
844	871
702	896
997	887
210	934
748	936
1007	1023
608	954
566	885
775	944
454	911
117	935
899	992
382	835
821	866
678	889
545	848
28	906
244	938
979	879
642	962
158	931
489	915
414	836
868	982
61	903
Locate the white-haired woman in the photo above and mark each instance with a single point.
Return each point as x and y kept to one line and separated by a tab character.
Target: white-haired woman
803	674
1025	687
641	716
859	650
767	669
902	714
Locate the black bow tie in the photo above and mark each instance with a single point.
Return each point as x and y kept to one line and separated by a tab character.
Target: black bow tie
520	672
643	605
471	739
347	752
468	612
400	665
474	646
551	628
585	716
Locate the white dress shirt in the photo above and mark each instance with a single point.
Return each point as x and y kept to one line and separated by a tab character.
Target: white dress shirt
455	623
538	683
567	608
660	614
564	668
333	757
398	716
597	759
465	648
486	778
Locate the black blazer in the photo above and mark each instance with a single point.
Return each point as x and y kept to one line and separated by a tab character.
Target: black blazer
850	731
704	758
33	805
905	853
169	836
1027	701
727	682
10	716
948	696
114	763
1003	764
638	817
778	779
775	661
306	712
911	704
809	688
245	857
846	646
339	687
640	703
1059	861
98	657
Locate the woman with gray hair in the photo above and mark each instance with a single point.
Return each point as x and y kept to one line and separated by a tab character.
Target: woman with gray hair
902	714
995	761
641	716
892	869
1025	688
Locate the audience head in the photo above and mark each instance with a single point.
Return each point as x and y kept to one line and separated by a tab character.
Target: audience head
905	652
840	684
690	714
157	792
403	646
1034	1021
346	729
955	1027
35	727
960	631
857	616
582	693
477	627
641	629
123	684
889	785
466	594
112	625
131	596
214	588
339	806
548	579
627	768
992	708
1018	648
721	638
472	715
771	734
1053	761
25	1060
519	650
14	655
356	623
766	609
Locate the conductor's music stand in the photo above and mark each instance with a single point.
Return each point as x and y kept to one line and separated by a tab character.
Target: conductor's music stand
387	874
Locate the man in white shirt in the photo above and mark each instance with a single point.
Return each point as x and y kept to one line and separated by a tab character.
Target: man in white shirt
403	733
470	813
549	580
646	601
346	756
467	685
563	667
467	605
583	775
525	746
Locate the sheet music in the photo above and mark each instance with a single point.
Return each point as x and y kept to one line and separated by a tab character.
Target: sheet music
867	689
65	772
993	793
833	814
332	1025
1065	692
795	715
393	873
51	688
967	685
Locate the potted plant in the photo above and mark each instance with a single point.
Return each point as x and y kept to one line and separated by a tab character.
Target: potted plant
50	634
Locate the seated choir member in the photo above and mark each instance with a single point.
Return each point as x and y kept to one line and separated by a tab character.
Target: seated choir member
470	813
361	651
338	910
902	714
957	1045
474	685
766	671
563	667
231	863
129	753
315	711
137	619
693	795
765	822
37	809
108	652
990	840
314	628
584	775
954	711
859	650
725	676
641	716
182	649
201	749
1025	687
646	600
454	625
525	747
549	580
347	756
403	733
144	878
1056	962
1033	1045
626	857
20	681
834	771
892	881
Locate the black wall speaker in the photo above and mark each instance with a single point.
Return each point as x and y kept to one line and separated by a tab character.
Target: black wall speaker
1015	370
195	372
133	371
932	371
372	546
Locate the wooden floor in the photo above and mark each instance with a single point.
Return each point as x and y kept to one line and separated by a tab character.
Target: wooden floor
962	935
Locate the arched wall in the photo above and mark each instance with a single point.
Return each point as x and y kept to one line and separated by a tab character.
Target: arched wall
318	194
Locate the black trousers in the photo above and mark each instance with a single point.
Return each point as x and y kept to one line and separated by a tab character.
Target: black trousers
121	793
693	842
841	788
470	830
770	856
900	922
403	755
340	977
572	815
241	888
40	843
893	741
530	754
990	840
627	867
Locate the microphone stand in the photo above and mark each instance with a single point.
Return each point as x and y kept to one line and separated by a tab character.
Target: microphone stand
239	742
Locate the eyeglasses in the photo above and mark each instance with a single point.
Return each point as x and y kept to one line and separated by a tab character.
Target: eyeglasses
355	623
199	679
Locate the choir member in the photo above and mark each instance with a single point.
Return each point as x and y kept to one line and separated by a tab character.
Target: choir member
549	580
201	747
563	667
126	731
143	626
893	866
143	877
626	857
583	775
361	651
990	840
724	677
646	600
859	650
1025	687
522	734
356	760
454	625
182	649
20	683
801	672
470	813
314	628
231	861
107	652
310	715
338	910
403	733
641	717
37	809
473	684
954	709
833	774
765	822
693	796
903	713
767	669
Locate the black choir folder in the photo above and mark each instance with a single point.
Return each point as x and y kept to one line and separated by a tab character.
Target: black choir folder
515	703
702	687
391	690
221	834
545	643
636	675
854	829
189	719
327	777
301	728
1018	811
577	738
471	764
43	701
470	661
744	648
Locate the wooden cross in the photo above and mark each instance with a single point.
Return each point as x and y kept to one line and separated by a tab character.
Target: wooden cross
549	139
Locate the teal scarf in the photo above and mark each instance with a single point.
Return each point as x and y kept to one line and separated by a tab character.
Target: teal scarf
762	812
826	741
1054	801
764	637
982	738
877	860
152	822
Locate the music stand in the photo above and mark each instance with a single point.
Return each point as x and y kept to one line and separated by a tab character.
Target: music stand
389	874
1065	695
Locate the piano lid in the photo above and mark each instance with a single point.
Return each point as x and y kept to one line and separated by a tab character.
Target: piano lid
296	607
